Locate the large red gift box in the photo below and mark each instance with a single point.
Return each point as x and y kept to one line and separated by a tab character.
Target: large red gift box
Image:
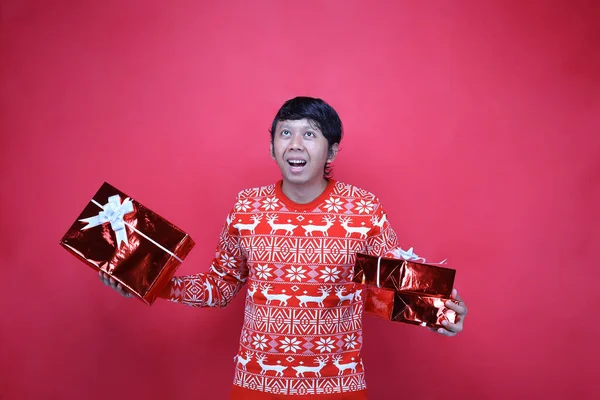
405	290
134	245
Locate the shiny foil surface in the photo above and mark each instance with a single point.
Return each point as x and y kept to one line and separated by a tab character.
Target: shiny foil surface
421	310
408	291
410	308
406	276
142	267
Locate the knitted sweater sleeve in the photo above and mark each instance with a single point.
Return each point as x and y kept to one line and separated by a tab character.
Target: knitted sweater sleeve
226	276
381	239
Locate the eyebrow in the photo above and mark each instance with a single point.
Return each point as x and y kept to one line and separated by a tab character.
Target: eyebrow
310	128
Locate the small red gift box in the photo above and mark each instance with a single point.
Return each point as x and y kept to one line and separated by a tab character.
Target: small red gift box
405	291
118	235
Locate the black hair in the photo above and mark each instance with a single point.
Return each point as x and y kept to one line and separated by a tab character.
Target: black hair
317	111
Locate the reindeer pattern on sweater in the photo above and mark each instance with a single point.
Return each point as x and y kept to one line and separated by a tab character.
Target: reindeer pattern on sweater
302	330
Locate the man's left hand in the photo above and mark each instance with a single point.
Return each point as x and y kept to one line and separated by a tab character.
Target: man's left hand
461	310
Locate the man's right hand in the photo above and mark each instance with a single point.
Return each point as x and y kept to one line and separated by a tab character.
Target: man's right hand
110	282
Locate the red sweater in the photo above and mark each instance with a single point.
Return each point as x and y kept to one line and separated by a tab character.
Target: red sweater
302	331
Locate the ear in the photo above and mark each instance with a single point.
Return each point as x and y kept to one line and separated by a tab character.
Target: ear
272	151
333	152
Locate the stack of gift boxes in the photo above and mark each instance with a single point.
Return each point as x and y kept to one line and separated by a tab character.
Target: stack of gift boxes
405	290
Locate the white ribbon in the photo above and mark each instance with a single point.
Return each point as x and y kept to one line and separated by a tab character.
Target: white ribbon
409	255
113	212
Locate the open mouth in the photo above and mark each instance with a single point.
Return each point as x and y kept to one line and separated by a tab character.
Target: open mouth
297	163
296	166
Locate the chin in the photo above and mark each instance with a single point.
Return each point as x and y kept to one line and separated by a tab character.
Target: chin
296	180
300	180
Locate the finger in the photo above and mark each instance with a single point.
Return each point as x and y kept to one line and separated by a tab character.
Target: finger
455	296
452	305
122	290
113	283
104	278
449	326
460	308
445	332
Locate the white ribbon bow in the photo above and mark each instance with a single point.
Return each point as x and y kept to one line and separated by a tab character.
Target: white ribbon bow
112	212
408	255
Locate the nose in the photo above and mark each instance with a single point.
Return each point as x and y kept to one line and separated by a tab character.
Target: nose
296	142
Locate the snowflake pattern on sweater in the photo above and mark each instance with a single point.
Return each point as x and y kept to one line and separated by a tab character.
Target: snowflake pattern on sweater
302	330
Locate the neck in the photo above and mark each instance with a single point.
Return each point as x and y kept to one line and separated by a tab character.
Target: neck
304	193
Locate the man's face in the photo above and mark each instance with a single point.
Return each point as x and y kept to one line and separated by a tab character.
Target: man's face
300	150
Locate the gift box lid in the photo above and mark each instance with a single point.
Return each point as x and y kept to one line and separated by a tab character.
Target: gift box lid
404	275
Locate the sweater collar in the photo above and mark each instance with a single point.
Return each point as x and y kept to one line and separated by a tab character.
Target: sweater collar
308	206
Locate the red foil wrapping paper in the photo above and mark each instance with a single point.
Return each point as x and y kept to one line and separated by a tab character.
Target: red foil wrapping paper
140	249
406	291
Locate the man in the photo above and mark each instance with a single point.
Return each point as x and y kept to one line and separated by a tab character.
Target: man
294	244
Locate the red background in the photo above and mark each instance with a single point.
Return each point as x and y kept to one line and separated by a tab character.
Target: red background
476	123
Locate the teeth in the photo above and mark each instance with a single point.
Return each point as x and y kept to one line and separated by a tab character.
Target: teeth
296	162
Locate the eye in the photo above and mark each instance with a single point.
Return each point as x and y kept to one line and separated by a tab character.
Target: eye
310	134
285	133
